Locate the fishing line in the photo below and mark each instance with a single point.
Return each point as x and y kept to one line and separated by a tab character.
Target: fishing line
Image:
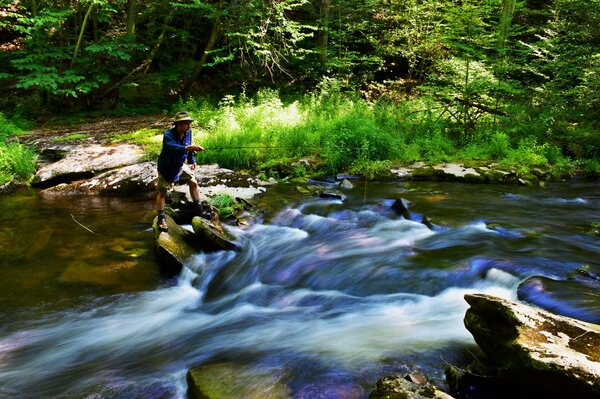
246	147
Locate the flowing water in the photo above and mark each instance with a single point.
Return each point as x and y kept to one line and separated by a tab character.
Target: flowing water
333	294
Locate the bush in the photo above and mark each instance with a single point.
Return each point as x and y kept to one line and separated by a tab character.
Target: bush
17	162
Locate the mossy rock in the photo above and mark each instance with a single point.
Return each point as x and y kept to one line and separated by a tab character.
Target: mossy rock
531	344
212	236
395	387
428	173
225	380
175	247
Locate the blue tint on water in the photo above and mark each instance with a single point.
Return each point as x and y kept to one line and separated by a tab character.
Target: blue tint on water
335	294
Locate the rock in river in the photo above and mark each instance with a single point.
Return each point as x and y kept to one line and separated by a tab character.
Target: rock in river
555	354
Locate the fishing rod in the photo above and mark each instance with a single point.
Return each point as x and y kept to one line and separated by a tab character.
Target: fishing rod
246	147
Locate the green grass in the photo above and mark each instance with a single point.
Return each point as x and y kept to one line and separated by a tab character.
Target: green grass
347	133
17	161
71	137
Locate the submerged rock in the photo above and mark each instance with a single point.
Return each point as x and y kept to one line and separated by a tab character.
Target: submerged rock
579	299
557	355
402	388
226	380
346	185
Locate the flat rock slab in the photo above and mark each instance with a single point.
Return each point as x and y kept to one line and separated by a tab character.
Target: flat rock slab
531	341
85	162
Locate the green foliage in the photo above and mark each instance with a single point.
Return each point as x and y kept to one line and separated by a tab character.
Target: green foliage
8	128
226	204
17	162
506	80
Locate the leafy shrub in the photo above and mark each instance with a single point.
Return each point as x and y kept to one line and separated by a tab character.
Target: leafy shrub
226	204
16	162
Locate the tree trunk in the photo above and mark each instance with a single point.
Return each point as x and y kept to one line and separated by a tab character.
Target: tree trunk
146	63
80	38
212	40
322	37
131	17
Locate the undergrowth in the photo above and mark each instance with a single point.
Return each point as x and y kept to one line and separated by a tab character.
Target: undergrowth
347	133
17	161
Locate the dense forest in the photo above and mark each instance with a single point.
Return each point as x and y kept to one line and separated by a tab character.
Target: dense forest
429	80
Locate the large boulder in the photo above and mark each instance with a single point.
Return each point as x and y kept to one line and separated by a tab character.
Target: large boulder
132	179
225	380
530	346
85	162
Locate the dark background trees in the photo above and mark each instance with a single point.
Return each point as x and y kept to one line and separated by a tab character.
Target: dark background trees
513	64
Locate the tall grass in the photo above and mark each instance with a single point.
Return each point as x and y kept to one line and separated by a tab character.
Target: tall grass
17	162
347	133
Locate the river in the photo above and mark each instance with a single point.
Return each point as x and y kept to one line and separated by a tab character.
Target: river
333	293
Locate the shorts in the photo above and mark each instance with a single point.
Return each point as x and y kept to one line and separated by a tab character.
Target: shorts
185	176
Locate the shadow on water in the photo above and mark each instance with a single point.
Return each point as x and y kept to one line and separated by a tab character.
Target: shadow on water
334	294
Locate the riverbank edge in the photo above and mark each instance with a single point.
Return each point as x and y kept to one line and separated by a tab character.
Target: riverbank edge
54	140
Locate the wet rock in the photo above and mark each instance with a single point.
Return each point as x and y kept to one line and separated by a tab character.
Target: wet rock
573	298
85	162
402	388
331	195
226	380
462	173
425	220
346	185
401	205
583	273
526	345
175	247
212	236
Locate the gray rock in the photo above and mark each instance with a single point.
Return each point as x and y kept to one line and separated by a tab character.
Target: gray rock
130	179
560	353
346	185
85	162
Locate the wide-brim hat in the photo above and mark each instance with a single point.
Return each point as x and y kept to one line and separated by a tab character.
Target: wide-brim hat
183	117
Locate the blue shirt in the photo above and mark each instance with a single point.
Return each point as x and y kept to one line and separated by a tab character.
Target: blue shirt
173	154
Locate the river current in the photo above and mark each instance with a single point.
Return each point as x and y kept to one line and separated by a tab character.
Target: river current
333	293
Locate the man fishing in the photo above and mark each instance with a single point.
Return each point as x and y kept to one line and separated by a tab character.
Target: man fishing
177	148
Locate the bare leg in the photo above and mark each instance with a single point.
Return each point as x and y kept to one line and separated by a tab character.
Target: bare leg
194	190
161	200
